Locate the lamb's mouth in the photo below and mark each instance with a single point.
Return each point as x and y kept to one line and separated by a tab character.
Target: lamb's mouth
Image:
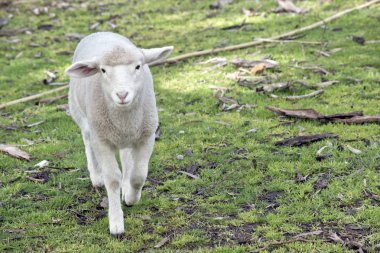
124	103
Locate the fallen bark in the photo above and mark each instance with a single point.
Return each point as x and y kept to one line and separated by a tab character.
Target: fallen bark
348	118
304	140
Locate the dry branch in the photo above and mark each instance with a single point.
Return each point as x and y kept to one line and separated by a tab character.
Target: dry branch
29	98
224	49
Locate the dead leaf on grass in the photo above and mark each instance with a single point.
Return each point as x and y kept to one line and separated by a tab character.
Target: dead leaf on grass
273	87
103	203
335	238
50	77
317	232
74	36
40	177
228	103
258	69
320	155
15	152
188	174
300	178
269	64
45	27
162	242
219	4
354	150
42	164
289	6
322	181
358	39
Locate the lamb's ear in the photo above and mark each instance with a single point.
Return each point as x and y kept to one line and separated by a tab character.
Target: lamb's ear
83	69
154	55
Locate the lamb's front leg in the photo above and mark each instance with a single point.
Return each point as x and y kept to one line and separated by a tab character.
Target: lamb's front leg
112	181
135	169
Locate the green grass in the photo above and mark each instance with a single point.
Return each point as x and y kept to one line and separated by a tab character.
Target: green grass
242	200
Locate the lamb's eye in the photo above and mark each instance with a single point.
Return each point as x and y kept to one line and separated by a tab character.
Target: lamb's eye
138	67
103	70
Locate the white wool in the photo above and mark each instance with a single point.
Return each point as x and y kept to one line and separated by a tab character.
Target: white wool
111	98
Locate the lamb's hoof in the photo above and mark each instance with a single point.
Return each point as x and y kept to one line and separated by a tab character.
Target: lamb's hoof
128	205
119	236
97	181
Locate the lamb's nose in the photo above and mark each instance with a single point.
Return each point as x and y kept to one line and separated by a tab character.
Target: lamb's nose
122	95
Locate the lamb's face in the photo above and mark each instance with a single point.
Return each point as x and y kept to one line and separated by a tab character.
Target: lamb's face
121	71
123	83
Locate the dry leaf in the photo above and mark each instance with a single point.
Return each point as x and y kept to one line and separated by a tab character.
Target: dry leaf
354	150
273	87
42	164
317	232
322	181
301	178
162	242
335	238
289	6
188	174
74	36
15	152
250	64
258	69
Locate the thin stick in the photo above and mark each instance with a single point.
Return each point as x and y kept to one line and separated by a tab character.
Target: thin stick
217	50
313	94
290	41
25	99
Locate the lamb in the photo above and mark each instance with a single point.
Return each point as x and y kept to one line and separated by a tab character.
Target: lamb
111	99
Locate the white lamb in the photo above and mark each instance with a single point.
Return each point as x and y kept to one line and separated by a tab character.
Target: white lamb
112	100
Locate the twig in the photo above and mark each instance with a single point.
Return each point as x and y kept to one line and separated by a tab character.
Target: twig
290	41
58	83
313	94
29	98
217	50
372	42
48	101
38	180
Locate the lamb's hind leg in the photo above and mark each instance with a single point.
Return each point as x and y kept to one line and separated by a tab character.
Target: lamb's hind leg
92	164
135	170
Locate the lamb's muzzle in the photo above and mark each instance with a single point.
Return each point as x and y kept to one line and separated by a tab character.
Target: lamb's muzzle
111	98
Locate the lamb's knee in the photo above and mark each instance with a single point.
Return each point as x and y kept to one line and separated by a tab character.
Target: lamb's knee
113	182
137	181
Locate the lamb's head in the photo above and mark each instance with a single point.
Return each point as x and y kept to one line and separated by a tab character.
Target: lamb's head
122	71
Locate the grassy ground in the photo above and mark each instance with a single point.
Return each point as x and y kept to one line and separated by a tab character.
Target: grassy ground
247	196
